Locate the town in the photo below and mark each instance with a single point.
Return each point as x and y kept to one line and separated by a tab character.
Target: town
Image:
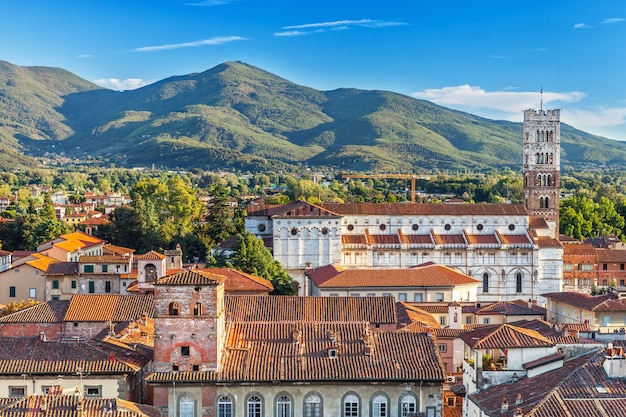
383	309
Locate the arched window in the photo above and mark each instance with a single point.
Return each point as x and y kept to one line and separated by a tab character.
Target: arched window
173	309
186	406
380	408
486	282
253	406
545	203
224	406
197	310
540	202
518	282
408	405
350	406
312	406
283	406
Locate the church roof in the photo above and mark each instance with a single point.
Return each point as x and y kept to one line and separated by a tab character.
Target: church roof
425	209
191	277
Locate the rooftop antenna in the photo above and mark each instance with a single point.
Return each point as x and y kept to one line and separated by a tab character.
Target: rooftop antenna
541	99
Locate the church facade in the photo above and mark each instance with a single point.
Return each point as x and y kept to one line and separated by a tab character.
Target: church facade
511	248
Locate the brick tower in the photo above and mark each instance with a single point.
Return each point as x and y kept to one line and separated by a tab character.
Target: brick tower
542	165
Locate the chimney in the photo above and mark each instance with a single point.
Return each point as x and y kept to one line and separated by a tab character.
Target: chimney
42	337
530	303
565	330
504	407
518	399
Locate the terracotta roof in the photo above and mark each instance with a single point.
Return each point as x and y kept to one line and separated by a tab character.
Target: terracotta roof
514	239
449	239
384	239
354	239
555	357
580	388
508	309
442	308
31	355
241	281
52	311
423	209
150	256
409	314
581	249
611	255
42	262
295	209
600	303
191	277
117	250
432	275
425	239
109	307
270	352
448	333
323	273
378	310
535	306
482	239
504	336
547	242
62	268
73	406
103	259
537	222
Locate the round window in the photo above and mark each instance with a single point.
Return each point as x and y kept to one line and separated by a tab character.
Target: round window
325	230
479	227
350	227
261	227
447	227
511	227
415	227
382	227
294	231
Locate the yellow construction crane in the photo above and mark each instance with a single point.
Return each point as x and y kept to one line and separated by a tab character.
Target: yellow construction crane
396	176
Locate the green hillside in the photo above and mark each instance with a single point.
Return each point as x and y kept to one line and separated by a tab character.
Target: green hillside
236	116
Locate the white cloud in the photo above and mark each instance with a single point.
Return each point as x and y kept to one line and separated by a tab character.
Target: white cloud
121	85
292	33
219	40
613	20
337	25
84	56
582	26
508	105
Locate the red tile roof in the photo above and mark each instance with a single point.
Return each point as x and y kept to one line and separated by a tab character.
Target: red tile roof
600	303
449	239
423	209
509	309
580	388
504	336
432	275
109	307
241	281
150	256
192	277
377	310
49	312
323	273
74	406
483	239
295	209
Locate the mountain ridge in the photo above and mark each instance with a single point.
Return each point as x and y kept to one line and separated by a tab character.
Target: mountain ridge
237	116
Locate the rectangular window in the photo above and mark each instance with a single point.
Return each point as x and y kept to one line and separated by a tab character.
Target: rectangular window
371	294
107	286
184	350
56	297
74	283
621	282
604	267
17	391
418	297
442	347
386	294
32	292
105	268
468	320
607	320
332	294
486	320
88	268
440	297
55	284
12	292
92	287
621	267
94	391
442	320
402	296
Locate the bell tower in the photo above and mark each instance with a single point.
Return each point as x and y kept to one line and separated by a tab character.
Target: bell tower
542	165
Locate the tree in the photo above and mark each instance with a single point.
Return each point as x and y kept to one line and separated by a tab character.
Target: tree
251	256
219	220
47	210
14	306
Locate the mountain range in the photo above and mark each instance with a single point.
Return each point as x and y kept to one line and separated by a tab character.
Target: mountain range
239	117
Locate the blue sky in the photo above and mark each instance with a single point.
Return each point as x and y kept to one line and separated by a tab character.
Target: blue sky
489	58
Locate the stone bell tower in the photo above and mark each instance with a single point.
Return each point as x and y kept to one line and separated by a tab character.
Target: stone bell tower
542	165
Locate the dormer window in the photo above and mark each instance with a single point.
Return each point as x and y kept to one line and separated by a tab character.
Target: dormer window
332	353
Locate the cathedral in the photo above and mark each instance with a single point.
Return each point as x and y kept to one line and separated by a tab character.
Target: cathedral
512	249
